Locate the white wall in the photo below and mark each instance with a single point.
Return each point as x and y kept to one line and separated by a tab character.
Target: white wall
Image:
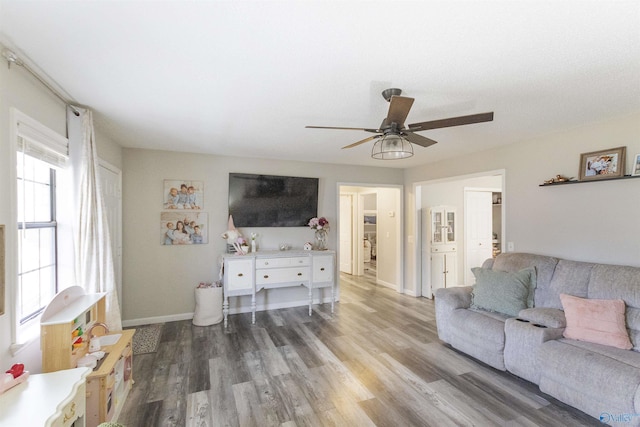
158	281
595	221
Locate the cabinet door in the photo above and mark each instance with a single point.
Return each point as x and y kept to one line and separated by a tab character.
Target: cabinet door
451	270
438	269
451	226
436	226
239	275
322	269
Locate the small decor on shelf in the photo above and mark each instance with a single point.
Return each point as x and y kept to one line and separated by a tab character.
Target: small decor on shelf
321	225
308	246
558	178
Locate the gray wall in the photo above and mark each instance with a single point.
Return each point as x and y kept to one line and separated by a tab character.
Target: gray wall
158	281
596	221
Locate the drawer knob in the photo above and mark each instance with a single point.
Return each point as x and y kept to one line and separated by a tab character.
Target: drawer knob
266	276
299	274
71	414
322	269
266	263
240	274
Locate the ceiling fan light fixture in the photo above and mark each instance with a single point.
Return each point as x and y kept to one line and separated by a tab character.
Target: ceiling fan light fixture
392	147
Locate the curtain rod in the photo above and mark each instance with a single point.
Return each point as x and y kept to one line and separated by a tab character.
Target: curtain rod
12	58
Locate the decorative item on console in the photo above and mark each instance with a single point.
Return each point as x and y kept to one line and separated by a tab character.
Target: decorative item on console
235	242
321	225
253	242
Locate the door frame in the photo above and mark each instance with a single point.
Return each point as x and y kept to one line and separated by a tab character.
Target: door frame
399	231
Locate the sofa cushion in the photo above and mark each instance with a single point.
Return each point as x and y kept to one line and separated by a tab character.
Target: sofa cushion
570	277
596	320
594	378
623	282
544	265
502	291
480	334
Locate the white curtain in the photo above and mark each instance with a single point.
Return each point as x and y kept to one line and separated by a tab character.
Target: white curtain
95	270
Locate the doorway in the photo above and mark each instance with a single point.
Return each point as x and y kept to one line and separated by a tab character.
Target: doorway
370	231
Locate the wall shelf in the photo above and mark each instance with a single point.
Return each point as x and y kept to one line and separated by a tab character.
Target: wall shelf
592	180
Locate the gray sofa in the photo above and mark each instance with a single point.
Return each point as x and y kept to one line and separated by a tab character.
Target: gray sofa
602	381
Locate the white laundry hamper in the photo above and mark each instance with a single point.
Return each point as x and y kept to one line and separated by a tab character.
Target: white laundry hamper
208	306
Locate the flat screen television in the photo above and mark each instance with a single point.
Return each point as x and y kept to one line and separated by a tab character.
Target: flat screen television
272	201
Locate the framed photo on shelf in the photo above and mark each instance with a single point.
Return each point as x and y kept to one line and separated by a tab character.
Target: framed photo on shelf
603	164
636	166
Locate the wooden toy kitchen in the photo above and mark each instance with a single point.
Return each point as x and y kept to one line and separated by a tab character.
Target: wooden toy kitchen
66	325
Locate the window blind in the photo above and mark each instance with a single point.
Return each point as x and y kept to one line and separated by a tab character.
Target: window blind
34	143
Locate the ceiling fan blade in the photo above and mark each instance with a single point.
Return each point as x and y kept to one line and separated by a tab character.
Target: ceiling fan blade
343	128
362	141
398	110
418	139
452	121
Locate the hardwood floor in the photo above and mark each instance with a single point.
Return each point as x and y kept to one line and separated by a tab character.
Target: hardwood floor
376	362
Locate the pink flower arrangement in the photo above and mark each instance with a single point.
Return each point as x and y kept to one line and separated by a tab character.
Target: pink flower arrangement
319	223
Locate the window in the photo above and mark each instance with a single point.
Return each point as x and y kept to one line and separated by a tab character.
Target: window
42	227
37	231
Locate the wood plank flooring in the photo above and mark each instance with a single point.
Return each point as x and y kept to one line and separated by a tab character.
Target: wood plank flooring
376	362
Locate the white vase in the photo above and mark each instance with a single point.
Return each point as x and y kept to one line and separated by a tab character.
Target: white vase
253	246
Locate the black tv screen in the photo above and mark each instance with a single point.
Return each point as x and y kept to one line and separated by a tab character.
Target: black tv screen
272	201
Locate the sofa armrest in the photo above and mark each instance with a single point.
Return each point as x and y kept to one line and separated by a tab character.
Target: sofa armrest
453	298
447	302
549	317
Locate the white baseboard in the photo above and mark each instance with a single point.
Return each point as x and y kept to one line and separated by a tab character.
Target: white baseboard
411	292
157	319
236	310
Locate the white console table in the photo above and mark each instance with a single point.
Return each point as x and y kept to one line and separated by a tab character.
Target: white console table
52	399
251	273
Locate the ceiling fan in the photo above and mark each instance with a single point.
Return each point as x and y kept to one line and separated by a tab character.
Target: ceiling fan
392	135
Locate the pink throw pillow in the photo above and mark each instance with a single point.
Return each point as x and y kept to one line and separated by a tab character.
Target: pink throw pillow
599	321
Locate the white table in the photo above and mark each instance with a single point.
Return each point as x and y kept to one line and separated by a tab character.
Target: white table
251	273
52	399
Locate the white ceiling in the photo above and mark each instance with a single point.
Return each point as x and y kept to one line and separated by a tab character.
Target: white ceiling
243	78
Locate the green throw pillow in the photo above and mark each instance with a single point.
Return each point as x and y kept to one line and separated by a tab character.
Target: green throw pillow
503	292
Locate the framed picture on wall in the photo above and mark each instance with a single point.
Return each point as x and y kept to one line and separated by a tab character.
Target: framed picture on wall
179	228
636	165
603	164
183	194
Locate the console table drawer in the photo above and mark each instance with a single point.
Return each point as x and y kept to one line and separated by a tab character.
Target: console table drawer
239	274
281	275
281	262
